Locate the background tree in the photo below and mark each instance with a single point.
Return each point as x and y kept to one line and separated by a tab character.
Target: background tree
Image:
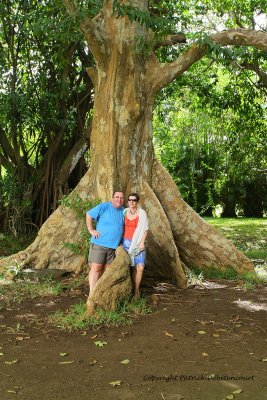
128	74
46	97
211	136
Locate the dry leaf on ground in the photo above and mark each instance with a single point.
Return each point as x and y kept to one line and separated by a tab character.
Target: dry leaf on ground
168	334
115	383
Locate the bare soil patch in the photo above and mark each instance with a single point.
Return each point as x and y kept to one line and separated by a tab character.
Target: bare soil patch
196	344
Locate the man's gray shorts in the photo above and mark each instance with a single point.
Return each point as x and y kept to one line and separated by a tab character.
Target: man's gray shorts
101	255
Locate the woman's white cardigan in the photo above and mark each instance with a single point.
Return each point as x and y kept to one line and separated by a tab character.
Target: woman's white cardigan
141	228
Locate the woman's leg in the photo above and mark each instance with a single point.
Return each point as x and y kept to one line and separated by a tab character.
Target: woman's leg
137	278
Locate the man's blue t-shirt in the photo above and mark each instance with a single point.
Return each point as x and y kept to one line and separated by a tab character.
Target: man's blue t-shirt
109	222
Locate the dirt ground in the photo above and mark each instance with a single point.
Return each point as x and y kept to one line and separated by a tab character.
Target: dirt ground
198	343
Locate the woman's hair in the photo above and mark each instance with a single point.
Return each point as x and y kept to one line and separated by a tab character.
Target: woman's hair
135	195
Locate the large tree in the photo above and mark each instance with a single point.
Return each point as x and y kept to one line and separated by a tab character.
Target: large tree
126	79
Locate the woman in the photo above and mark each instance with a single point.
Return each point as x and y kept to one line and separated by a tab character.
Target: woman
135	233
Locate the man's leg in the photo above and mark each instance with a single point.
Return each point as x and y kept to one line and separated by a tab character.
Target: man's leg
110	256
100	258
95	273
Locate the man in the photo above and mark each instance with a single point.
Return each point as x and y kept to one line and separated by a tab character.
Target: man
107	235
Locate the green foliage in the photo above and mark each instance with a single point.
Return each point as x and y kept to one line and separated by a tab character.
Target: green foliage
16	200
80	206
76	203
155	18
44	110
210	135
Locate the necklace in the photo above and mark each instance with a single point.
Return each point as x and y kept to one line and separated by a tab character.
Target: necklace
132	212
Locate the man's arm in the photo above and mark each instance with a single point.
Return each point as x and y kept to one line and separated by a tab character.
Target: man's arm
89	223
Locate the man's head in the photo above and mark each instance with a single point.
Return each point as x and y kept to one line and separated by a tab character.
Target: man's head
117	199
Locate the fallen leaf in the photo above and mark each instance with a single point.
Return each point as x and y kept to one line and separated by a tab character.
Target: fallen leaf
229	397
99	343
115	383
168	334
11	391
63	354
66	362
201	332
237	391
173	319
125	361
216	335
93	337
237	325
84	333
11	362
1	354
92	362
264	359
205	354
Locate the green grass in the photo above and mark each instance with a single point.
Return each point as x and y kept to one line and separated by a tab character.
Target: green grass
249	279
74	319
213	273
20	291
248	234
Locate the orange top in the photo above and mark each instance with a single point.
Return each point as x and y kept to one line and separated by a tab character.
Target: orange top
130	227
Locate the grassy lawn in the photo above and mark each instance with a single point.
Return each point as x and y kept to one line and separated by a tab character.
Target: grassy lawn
248	234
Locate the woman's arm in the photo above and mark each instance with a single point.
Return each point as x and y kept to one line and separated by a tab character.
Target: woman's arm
142	243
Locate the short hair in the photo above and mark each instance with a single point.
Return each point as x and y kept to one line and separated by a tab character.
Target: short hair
135	195
117	191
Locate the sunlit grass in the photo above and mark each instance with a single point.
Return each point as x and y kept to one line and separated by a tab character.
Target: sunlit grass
248	234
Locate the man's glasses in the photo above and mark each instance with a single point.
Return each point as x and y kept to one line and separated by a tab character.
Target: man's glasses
132	199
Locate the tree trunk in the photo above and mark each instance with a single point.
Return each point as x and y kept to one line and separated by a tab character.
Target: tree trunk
123	159
253	202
